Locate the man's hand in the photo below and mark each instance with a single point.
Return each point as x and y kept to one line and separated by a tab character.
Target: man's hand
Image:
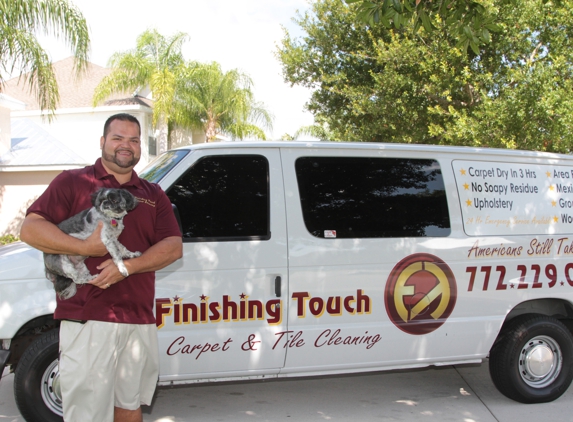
108	276
93	244
158	256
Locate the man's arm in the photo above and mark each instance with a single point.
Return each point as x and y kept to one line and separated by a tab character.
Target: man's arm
155	258
43	235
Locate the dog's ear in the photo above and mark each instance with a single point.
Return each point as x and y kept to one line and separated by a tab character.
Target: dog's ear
130	201
96	197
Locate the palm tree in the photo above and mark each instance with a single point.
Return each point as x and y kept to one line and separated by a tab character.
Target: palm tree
219	103
20	51
315	131
156	62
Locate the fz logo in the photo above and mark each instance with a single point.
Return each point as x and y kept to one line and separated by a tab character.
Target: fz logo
420	294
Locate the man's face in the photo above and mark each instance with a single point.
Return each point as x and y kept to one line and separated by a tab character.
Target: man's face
121	148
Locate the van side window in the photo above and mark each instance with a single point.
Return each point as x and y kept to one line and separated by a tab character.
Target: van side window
224	197
361	197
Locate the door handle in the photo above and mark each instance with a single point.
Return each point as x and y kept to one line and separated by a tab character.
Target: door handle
278	286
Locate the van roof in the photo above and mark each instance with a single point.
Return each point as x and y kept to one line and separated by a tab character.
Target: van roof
441	149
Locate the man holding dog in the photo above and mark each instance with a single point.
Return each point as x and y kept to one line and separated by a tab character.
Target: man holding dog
108	338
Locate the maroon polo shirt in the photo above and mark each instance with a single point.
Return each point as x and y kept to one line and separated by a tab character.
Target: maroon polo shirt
131	300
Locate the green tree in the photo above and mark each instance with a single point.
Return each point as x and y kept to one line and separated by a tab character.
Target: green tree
397	85
20	50
220	103
315	131
157	63
470	21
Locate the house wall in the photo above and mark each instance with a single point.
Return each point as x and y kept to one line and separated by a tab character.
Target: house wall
81	129
182	137
17	192
4	130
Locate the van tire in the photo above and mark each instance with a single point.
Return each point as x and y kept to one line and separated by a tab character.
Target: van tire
532	359
35	379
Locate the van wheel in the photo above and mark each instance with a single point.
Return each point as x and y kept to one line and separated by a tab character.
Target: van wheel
532	359
37	380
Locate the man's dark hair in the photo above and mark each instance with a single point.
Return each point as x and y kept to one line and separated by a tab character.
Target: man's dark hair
123	117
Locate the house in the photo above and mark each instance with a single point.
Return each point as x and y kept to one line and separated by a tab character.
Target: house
34	149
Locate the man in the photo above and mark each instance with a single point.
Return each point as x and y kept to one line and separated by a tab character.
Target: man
108	339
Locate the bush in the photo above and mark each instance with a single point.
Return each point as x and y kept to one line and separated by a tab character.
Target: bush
9	238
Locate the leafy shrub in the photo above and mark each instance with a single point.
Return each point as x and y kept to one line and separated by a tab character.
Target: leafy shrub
9	238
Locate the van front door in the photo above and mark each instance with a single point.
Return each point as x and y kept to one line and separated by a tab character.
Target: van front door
220	308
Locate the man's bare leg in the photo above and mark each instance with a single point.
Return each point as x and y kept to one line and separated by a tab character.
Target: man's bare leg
124	415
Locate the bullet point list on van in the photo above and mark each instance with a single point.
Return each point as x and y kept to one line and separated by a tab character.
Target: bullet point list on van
481	204
515	194
499	173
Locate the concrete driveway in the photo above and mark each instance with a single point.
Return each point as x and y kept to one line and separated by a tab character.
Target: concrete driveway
452	393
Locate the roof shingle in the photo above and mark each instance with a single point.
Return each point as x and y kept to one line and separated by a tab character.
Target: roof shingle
75	90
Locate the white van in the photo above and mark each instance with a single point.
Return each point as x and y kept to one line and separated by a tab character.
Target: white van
330	258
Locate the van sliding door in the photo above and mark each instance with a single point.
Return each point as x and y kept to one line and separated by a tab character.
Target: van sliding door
366	287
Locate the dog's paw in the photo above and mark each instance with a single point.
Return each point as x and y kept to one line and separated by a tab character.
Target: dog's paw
68	292
129	254
85	279
122	269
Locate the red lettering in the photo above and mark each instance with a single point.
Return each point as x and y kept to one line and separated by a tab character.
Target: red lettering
500	284
162	311
178	339
472	271
316	306
522	284
300	298
347	301
568	268
281	335
536	283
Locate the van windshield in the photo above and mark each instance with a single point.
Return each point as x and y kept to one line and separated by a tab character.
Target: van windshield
158	168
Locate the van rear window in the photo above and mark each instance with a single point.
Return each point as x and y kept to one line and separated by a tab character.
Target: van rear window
363	197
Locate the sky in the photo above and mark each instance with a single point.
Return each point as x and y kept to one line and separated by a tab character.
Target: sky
238	34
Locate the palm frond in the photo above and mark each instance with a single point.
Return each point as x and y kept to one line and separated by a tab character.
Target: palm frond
20	50
26	53
220	102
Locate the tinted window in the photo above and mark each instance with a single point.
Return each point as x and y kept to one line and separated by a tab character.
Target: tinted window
224	198
353	197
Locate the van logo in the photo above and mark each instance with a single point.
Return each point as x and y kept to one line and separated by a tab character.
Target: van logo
420	293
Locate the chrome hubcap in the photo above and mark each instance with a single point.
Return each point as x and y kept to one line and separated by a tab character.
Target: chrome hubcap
540	361
50	388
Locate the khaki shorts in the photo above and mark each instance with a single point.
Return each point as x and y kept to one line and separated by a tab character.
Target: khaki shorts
105	365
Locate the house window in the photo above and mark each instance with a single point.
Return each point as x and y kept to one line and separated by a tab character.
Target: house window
16	141
152	143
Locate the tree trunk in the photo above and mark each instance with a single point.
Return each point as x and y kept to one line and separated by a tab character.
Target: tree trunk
211	128
162	135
